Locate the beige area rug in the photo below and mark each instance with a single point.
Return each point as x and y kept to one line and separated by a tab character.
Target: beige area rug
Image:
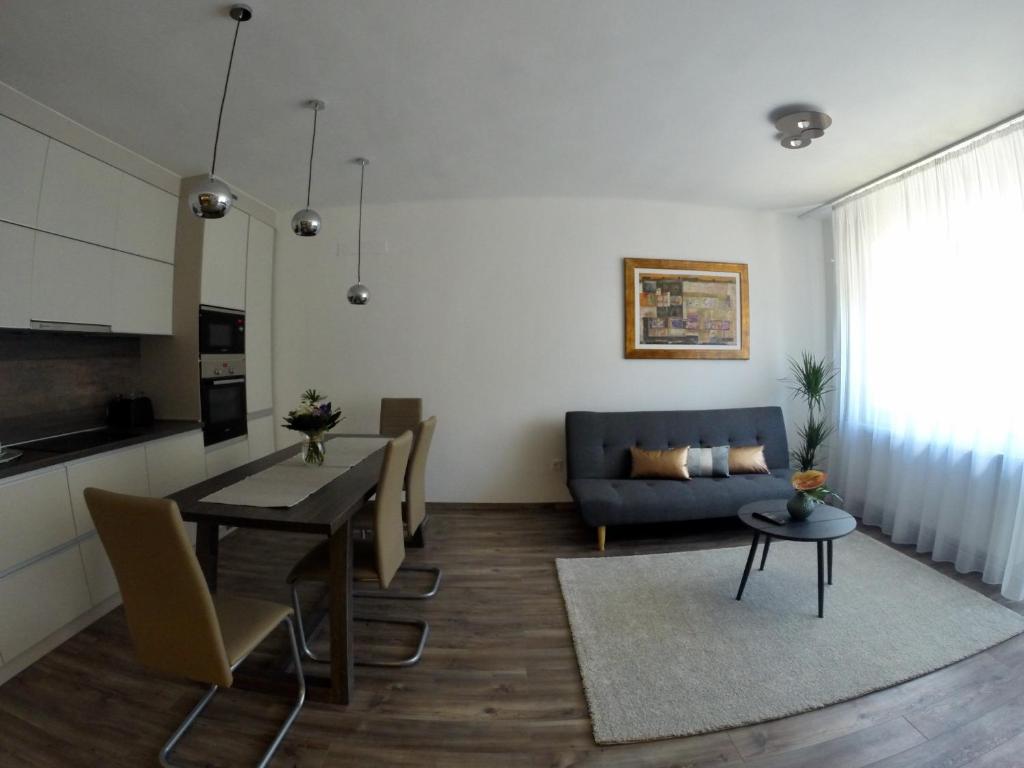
666	650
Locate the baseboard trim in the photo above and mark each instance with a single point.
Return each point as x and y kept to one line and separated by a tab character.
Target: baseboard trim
461	506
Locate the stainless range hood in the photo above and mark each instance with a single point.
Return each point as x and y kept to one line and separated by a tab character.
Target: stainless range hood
50	325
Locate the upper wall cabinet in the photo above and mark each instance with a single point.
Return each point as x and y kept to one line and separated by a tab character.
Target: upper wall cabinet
71	281
259	275
146	220
16	245
225	242
79	197
22	157
142	295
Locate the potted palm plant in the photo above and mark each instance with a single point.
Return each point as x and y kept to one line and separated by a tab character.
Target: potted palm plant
812	380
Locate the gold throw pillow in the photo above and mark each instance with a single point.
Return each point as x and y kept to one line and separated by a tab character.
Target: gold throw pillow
666	465
747	460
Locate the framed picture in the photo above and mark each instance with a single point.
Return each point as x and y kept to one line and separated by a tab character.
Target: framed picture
687	310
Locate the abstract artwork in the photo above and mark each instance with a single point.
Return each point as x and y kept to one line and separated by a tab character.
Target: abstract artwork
686	309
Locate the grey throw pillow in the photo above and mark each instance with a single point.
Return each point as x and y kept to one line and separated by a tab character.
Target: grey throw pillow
708	462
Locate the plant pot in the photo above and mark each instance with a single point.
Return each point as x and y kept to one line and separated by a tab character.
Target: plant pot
313	451
800	506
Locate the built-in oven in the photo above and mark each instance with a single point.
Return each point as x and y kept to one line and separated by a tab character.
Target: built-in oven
221	331
222	397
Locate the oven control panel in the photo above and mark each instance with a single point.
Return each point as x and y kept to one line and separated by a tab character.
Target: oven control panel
221	366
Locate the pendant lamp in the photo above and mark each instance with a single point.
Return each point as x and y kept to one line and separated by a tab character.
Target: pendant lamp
306	223
212	198
359	294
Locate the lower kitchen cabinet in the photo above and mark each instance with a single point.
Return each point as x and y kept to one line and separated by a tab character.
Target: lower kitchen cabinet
121	471
175	463
39	599
35	516
99	573
261	436
223	457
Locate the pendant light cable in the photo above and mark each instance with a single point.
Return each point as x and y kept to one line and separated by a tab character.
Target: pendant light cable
224	96
359	244
312	148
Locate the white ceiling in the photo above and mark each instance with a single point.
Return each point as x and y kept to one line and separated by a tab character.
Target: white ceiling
489	98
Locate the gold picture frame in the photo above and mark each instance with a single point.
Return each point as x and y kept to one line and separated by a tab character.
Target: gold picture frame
686	310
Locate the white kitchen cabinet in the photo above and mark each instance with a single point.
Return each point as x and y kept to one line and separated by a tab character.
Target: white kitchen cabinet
39	599
226	456
259	276
225	242
71	281
99	573
79	196
143	291
22	158
261	437
175	463
16	245
35	516
147	218
121	471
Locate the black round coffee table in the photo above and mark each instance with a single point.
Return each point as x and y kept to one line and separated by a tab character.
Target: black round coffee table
825	525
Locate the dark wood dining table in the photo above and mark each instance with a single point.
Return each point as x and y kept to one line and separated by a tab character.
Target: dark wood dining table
326	512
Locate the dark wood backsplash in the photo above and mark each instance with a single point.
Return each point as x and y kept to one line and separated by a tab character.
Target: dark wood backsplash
52	383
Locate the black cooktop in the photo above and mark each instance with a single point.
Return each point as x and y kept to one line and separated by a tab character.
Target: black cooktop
80	441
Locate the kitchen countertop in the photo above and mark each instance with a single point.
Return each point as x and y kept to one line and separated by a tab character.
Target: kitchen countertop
33	460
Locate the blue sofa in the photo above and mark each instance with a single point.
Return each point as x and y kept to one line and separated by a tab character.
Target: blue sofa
598	464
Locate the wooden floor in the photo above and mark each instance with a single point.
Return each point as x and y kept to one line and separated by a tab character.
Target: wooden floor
498	685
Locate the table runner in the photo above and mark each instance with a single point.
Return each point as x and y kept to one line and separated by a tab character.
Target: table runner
287	483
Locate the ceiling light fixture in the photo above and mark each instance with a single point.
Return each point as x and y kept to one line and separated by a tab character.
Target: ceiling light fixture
798	129
359	294
212	198
306	223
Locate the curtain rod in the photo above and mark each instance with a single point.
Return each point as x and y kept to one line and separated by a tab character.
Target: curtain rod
916	163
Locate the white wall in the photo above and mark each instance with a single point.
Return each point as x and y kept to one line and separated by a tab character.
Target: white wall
504	314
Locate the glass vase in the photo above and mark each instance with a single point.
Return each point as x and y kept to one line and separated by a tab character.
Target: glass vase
313	450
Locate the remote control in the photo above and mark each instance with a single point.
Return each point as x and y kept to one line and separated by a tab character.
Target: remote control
777	518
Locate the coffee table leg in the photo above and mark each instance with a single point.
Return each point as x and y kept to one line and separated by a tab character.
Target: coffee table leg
821	579
830	561
750	562
764	554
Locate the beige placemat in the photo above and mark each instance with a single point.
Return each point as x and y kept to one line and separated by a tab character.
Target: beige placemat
283	485
287	483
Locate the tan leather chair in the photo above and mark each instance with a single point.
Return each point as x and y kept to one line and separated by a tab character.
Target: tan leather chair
414	513
398	414
176	626
376	560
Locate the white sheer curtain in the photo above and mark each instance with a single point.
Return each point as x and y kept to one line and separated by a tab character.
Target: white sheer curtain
930	288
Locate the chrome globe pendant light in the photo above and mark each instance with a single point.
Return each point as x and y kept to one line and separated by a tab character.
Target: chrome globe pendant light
359	294
212	198
306	223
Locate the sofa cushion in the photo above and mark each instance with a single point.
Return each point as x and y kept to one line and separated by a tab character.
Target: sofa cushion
597	444
665	465
623	501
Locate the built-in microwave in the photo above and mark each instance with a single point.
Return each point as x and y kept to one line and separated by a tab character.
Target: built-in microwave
221	331
222	397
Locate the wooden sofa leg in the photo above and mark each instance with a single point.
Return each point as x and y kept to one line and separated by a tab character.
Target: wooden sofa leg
601	531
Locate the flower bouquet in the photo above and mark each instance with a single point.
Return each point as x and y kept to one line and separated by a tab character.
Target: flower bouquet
810	490
313	418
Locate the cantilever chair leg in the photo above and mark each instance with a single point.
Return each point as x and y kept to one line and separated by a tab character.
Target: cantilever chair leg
409	660
386	594
406	662
165	753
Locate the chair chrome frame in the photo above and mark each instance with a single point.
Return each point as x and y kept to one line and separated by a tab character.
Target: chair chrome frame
387	594
409	661
165	753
